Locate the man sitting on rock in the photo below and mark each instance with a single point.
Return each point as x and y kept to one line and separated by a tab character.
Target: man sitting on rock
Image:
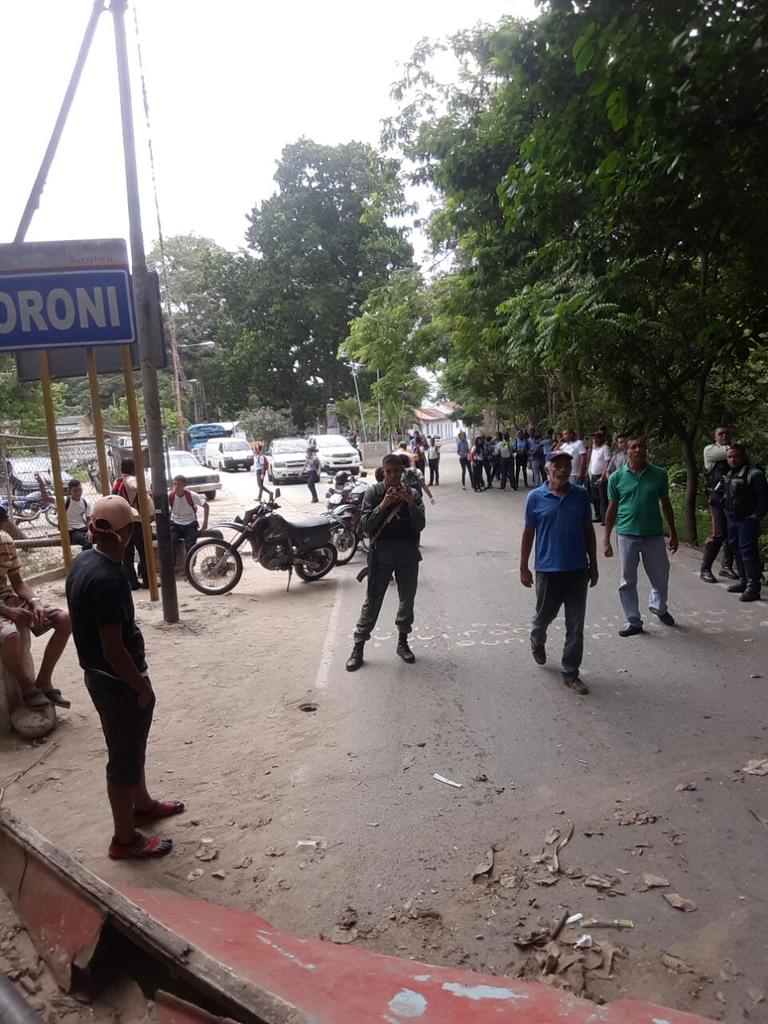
23	612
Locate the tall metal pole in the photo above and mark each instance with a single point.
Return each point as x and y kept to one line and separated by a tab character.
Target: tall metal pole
143	322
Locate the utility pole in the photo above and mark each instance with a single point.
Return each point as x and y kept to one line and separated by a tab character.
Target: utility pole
142	299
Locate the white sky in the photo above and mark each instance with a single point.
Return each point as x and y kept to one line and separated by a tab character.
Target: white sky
230	82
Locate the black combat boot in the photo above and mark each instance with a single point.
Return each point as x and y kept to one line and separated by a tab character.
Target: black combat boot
404	650
355	660
752	590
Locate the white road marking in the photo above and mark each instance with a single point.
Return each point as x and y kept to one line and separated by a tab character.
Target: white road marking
324	668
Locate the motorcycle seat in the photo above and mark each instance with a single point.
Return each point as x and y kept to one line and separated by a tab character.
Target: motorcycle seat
307	524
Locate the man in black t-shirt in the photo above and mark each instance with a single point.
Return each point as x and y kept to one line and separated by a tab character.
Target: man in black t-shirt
393	518
110	648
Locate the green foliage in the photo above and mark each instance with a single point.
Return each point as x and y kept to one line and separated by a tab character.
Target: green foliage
263	423
22	404
602	178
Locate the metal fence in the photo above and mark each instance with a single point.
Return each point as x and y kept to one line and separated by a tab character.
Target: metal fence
24	462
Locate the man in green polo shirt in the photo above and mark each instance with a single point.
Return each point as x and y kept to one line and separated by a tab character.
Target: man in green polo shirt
635	493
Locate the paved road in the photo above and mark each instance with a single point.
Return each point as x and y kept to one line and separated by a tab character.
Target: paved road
676	706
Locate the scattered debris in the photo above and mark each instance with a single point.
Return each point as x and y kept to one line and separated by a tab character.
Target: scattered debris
583	942
245	862
729	971
676	964
655	882
347	919
626	816
218	874
195	873
485	867
447	782
574	918
533	937
674	899
617	922
372	824
510	881
757	766
763	821
550	857
755	675
756	995
685	787
599	882
482	777
205	851
594	830
312	843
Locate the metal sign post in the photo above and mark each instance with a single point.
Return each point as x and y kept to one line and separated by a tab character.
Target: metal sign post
96	419
53	445
143	317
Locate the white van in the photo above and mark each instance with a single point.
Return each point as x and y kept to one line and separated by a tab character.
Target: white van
228	453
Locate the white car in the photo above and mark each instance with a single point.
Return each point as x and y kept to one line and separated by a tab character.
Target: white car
199	478
335	453
287	457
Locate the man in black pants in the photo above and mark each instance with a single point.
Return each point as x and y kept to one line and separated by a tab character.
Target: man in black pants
393	518
110	649
745	502
716	468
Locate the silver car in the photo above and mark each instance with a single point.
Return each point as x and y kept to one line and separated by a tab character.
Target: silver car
199	478
287	458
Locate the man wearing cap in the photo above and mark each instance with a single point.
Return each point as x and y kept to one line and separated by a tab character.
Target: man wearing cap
110	649
558	517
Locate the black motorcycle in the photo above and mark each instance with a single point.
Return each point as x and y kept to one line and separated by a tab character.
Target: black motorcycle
215	565
344	503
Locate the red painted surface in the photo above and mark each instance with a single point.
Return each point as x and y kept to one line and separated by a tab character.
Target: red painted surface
64	926
349	985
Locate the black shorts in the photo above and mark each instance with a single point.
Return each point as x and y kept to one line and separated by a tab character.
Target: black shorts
125	726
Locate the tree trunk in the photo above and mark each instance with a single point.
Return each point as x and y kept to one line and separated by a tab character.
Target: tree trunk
691	490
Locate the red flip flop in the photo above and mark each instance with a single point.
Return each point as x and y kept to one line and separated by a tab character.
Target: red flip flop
142	848
161	809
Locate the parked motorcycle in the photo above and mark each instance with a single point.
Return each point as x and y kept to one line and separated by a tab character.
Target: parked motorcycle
215	565
344	502
26	507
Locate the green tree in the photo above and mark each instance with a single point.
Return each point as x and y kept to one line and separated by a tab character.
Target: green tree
262	423
602	177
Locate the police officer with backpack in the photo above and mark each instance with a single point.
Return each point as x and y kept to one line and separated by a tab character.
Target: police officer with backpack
745	502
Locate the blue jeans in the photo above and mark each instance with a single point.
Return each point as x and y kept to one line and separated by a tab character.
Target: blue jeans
653	551
187	533
553	590
743	534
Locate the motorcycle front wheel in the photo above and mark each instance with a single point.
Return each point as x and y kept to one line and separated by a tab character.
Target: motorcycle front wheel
213	567
345	542
27	513
316	563
52	515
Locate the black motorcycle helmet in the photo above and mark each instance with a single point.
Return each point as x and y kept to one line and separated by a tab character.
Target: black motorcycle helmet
341	480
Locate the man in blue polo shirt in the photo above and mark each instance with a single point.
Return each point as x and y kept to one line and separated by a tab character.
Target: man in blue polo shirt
558	516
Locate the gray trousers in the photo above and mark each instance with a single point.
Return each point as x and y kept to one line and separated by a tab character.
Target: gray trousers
653	551
553	590
406	572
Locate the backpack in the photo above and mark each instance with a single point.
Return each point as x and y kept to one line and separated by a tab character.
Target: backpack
172	498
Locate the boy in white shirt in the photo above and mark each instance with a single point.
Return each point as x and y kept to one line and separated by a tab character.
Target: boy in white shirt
78	511
184	505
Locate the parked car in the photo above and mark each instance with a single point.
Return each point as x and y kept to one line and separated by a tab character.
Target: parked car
22	473
336	453
199	478
228	453
287	457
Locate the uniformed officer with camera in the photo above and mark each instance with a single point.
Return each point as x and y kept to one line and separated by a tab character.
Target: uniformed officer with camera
393	517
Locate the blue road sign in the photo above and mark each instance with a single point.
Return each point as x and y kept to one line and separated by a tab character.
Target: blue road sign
49	308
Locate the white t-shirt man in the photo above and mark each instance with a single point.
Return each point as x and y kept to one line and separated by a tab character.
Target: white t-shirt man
576	450
599	459
182	512
77	512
